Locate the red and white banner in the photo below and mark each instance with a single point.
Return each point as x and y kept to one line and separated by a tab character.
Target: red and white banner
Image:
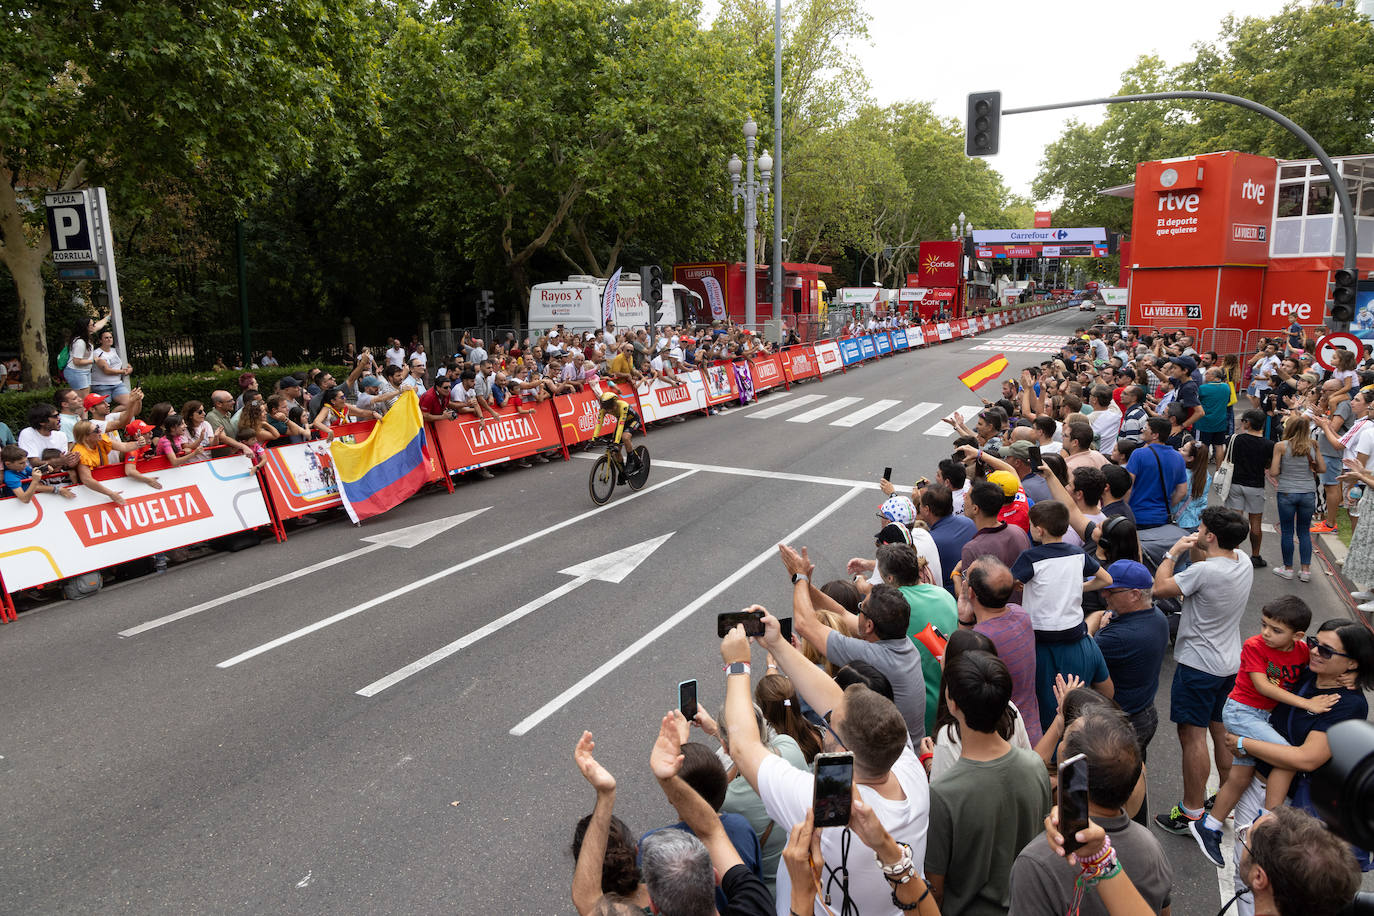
300	479
721	385
800	363
767	372
576	414
662	400
827	357
512	434
931	334
50	538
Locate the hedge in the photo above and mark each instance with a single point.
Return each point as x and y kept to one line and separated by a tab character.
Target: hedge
176	389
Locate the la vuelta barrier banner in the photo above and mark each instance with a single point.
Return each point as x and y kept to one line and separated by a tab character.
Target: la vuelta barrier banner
51	538
512	434
828	356
300	479
662	400
721	385
767	372
800	363
576	416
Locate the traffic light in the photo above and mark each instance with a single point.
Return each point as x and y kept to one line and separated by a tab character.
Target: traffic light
984	120
651	286
1343	286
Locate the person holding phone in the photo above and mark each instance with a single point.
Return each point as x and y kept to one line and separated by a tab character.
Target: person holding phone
887	775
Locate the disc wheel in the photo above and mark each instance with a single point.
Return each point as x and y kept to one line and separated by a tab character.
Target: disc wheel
601	483
641	476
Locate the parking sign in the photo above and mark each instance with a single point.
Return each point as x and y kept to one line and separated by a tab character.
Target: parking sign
73	228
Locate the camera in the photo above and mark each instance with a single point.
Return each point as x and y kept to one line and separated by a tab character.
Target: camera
1343	790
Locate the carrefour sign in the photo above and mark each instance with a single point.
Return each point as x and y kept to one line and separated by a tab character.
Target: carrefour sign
1040	236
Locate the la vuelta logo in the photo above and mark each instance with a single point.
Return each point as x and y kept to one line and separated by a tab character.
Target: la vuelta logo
674	395
498	433
766	372
143	514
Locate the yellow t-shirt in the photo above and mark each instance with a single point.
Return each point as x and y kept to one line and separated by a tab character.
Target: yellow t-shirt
622	364
94	457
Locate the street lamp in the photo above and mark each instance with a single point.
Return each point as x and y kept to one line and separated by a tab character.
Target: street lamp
754	192
960	228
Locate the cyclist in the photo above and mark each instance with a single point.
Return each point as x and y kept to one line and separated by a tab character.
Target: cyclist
627	422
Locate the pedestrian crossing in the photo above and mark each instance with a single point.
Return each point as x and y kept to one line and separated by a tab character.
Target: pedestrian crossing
1022	343
893	416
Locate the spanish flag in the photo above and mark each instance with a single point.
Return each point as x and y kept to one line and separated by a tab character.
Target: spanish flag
983	373
388	467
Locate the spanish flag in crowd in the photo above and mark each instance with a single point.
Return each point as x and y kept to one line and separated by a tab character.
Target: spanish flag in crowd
985	372
387	468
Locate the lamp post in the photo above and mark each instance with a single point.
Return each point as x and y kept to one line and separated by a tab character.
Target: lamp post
959	229
753	192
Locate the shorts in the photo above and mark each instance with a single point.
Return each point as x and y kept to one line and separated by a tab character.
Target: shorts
1248	722
1217	438
1331	476
110	391
76	377
1246	499
1198	698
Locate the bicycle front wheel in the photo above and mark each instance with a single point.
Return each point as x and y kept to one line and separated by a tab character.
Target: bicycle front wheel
641	474
601	483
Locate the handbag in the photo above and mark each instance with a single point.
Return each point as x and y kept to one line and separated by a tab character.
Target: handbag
1221	478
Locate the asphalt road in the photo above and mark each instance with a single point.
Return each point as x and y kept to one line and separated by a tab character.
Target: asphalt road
264	756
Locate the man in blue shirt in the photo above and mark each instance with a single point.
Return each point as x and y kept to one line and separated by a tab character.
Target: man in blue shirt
1160	475
949	531
1133	635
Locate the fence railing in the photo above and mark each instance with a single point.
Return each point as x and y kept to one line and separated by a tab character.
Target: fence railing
152	355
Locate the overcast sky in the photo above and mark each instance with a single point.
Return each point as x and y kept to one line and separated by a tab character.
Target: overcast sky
1035	53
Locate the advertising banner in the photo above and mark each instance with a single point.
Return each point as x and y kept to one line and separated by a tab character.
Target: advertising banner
720	383
931	333
938	264
943	329
899	339
50	538
663	399
850	352
767	372
300	479
715	297
828	358
800	363
577	415
961	328
467	443
883	343
1203	210
867	348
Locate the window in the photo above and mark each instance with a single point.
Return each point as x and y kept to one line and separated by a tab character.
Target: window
1321	198
1290	199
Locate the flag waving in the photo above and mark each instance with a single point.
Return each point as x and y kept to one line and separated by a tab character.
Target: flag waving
608	297
984	372
387	468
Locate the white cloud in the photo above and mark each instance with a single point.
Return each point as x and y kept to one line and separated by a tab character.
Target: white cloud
1056	50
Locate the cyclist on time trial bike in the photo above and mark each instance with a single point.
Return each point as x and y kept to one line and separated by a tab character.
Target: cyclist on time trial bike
627	421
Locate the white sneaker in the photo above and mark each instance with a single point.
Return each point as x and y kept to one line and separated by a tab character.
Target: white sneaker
1283	572
1362	596
1366	608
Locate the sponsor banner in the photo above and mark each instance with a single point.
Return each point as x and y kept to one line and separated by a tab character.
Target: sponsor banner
828	357
1040	236
931	333
300	478
715	297
850	352
938	263
662	400
768	371
867	347
576	415
721	385
884	343
51	538
944	331
467	443
899	341
961	328
800	363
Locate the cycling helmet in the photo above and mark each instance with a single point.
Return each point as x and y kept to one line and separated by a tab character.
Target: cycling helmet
609	396
899	509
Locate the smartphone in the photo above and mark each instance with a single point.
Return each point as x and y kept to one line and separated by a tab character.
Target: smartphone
687	699
785	624
887	474
1035	457
752	620
834	781
1073	800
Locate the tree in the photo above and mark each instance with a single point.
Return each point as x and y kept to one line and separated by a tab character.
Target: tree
216	98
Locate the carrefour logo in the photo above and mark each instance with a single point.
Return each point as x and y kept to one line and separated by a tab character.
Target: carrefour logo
1062	234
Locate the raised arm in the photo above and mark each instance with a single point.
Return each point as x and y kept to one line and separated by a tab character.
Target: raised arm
586	885
666	762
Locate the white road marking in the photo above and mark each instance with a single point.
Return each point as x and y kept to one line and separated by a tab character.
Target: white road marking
872	410
756	472
441	574
945	430
766	397
402	537
612	567
907	417
706	598
774	411
824	410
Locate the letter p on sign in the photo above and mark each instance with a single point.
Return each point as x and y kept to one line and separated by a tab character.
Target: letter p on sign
66	223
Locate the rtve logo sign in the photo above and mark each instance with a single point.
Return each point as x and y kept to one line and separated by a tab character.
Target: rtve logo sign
1252	190
1188	203
1285	309
1239	310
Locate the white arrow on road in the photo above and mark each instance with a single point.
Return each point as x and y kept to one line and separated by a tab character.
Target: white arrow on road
405	538
612	567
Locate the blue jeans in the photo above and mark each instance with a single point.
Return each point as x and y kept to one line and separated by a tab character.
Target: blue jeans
1296	507
1248	722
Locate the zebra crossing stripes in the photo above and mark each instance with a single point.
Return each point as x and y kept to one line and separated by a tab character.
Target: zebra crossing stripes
779	409
945	430
864	413
824	410
907	417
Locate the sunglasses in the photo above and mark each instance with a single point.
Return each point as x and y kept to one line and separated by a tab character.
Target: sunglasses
825	721
1324	651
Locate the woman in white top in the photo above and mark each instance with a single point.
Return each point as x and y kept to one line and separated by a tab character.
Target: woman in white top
109	374
77	372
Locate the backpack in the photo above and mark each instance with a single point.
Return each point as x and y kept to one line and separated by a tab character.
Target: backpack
63	357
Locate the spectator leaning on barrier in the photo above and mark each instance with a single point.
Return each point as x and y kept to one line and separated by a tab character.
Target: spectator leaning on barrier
44	432
93	447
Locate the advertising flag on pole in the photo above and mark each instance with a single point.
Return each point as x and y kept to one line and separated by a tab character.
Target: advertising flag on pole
386	468
608	297
984	372
717	300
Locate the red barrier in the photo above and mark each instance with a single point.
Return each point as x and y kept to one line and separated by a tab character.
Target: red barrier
767	372
800	362
576	415
931	334
467	442
721	385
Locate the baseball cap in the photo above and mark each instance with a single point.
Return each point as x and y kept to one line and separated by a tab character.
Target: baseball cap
1130	574
137	427
93	399
1185	363
1019	449
289	381
370	381
1006	480
893	533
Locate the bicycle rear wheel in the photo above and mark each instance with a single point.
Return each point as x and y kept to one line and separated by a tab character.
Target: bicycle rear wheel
641	474
601	483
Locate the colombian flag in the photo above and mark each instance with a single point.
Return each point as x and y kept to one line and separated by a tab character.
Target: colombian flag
983	373
387	468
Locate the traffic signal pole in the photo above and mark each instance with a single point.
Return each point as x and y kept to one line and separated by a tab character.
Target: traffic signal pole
1342	312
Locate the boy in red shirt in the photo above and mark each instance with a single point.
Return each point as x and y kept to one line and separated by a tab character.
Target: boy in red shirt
1270	663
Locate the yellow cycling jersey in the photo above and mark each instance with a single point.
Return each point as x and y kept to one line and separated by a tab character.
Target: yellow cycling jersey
623	413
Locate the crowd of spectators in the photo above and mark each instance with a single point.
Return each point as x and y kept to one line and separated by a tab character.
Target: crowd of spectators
1016	612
